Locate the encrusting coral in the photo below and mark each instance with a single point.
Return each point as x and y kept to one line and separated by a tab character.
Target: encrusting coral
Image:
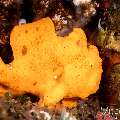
50	66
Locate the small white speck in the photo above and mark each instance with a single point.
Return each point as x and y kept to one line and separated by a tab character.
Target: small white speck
22	21
99	24
72	118
47	115
66	115
55	77
78	2
93	10
57	17
69	16
64	21
97	4
114	6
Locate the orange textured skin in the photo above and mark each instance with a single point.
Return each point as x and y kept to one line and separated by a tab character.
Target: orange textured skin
50	66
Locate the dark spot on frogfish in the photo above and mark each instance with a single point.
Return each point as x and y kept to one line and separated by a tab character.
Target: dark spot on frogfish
26	31
24	50
78	42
